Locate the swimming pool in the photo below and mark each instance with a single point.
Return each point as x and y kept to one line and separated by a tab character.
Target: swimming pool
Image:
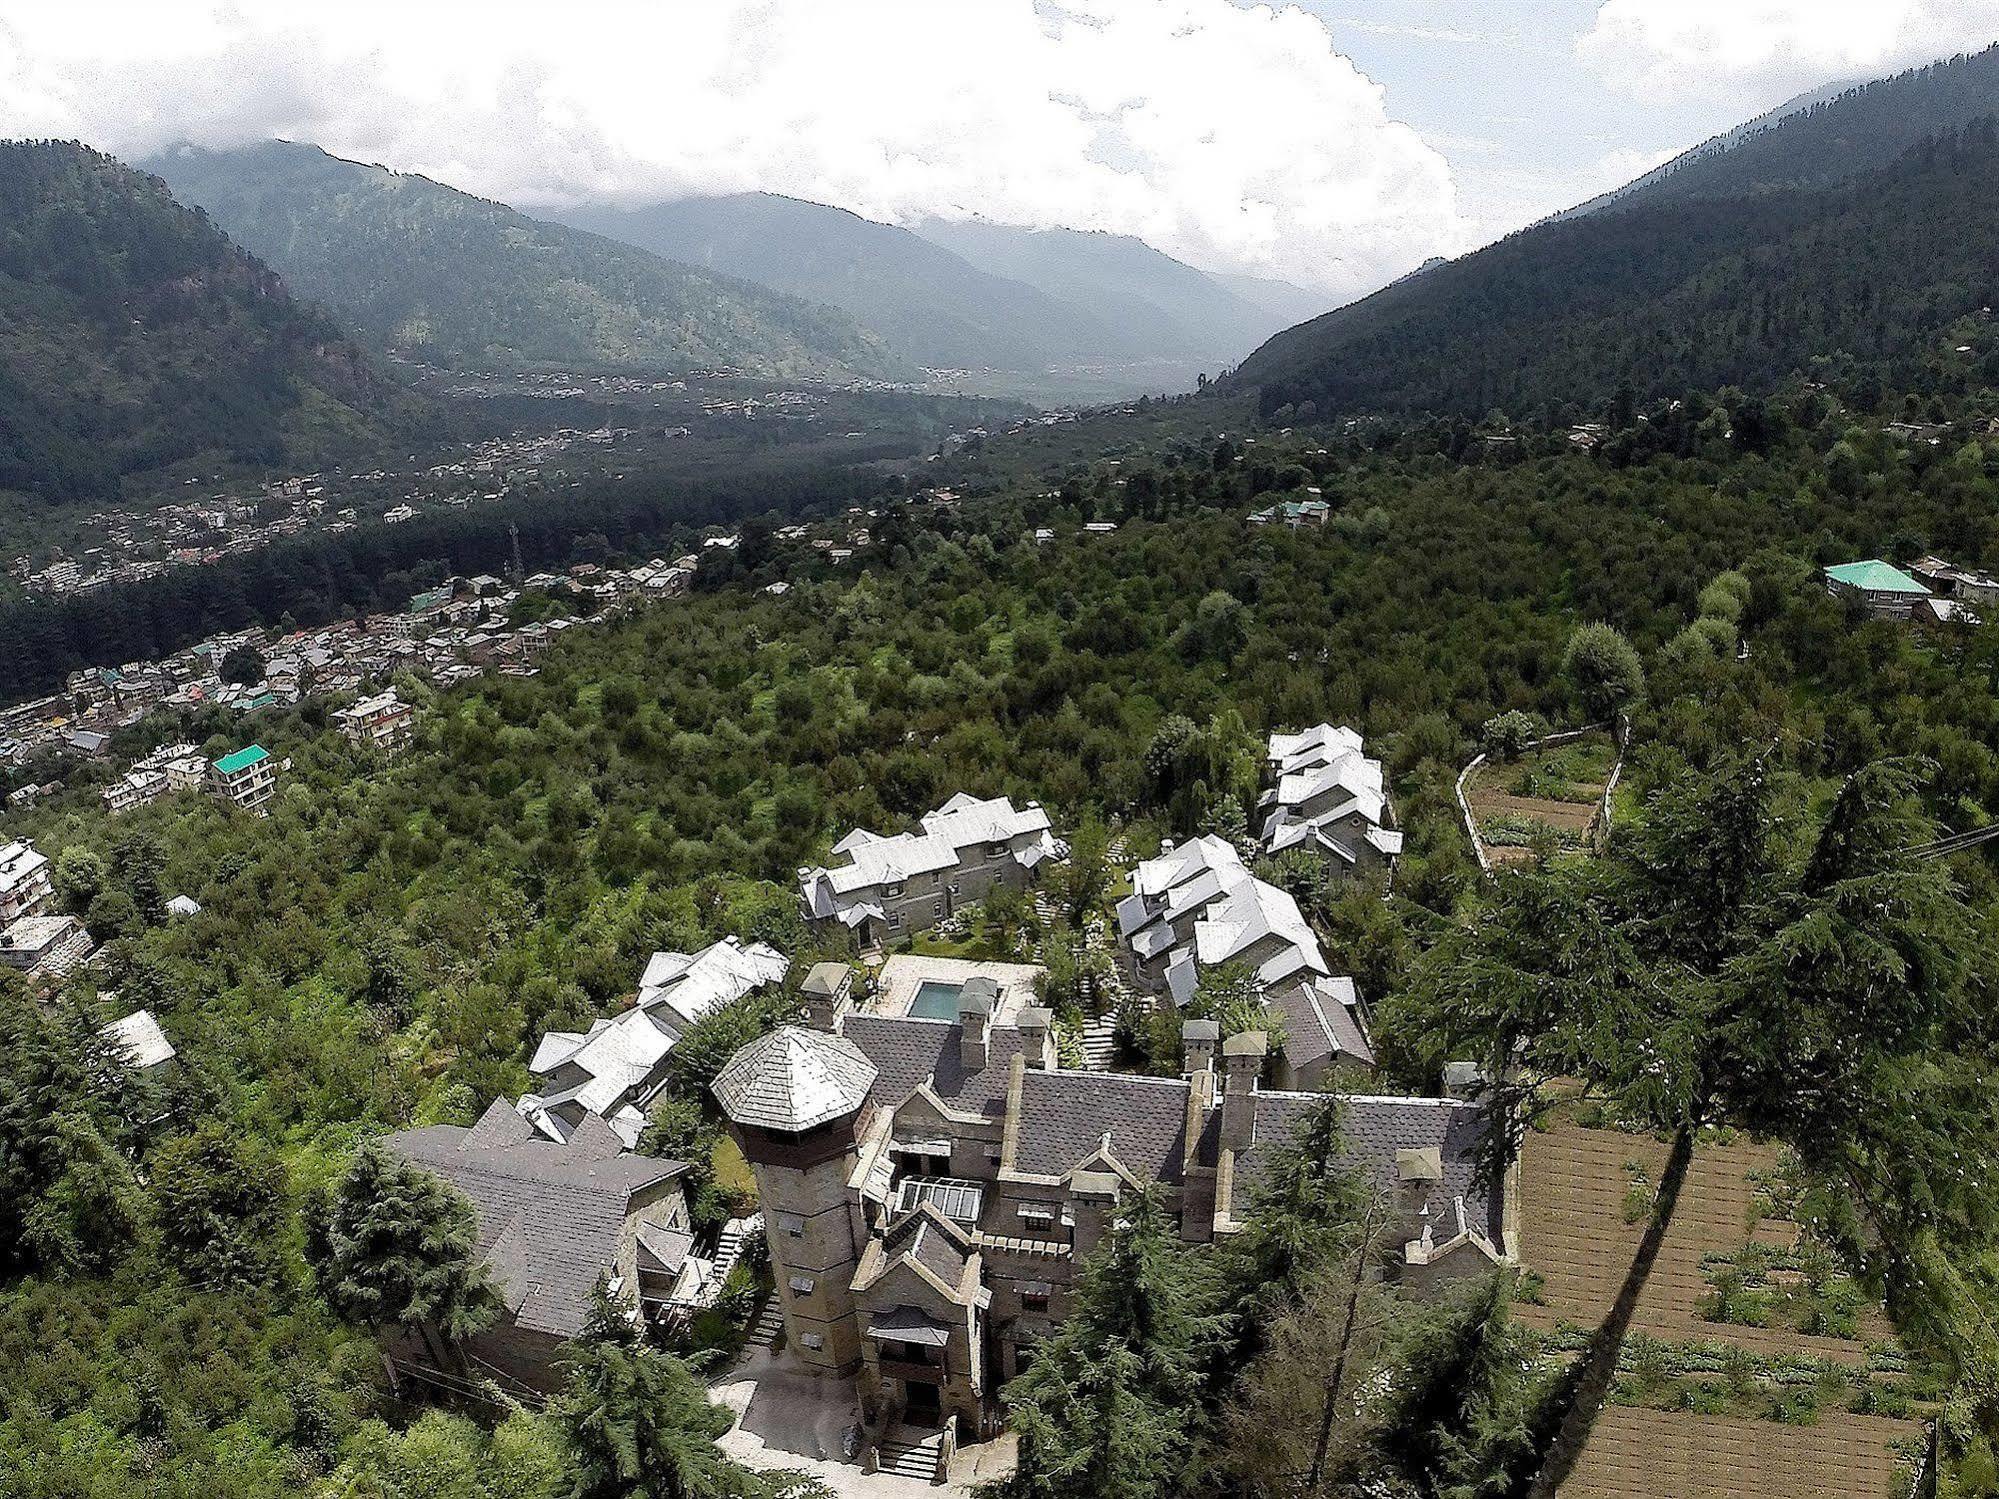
935	1000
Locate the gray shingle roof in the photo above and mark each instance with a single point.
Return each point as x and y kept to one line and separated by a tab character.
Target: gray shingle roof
1064	1117
905	1052
794	1079
549	1214
1375	1129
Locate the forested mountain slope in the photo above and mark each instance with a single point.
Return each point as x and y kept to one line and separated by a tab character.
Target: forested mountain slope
927	303
1828	234
414	265
1823	140
1160	306
970	296
134	335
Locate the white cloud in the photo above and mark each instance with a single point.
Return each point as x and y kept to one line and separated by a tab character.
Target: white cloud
1693	46
1226	134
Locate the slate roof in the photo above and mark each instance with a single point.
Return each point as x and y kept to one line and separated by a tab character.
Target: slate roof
1064	1117
550	1214
1321	1018
1375	1129
794	1079
1326	765
139	1039
906	1052
963	822
694	985
926	1237
1321	744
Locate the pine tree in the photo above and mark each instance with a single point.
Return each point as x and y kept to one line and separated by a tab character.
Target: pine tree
641	1426
1704	975
397	1246
1112	1404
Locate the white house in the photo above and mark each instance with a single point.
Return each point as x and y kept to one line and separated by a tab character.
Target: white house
1328	797
1195	907
616	1068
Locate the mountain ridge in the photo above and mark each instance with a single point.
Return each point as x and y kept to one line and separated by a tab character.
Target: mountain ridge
422	267
1817	236
135	335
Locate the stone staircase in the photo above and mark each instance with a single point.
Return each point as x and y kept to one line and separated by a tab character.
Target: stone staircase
769	1323
911	1452
729	1246
1099	1047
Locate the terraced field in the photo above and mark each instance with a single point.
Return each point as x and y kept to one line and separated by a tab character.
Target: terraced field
1583	1195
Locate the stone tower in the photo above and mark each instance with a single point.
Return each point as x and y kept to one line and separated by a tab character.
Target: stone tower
792	1100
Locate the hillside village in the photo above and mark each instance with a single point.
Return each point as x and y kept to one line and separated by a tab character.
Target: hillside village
930	1145
928	1169
631	876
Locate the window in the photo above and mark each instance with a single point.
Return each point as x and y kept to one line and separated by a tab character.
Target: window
894	920
1038	1214
801	1285
1034	1296
812	1340
792	1225
892	891
937	909
996	849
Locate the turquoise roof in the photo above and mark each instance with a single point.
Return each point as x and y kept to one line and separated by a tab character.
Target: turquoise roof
243	759
1874	576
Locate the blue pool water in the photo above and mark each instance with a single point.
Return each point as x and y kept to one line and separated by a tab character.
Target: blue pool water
935	1000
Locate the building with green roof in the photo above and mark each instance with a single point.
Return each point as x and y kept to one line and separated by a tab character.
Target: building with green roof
246	777
1887	591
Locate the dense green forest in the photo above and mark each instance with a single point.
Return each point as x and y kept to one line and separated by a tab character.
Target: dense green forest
389	944
1829	239
133	335
412	264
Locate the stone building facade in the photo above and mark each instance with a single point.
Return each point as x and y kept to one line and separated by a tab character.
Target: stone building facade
886	889
931	1186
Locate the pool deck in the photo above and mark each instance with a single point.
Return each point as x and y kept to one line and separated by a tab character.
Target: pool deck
905	973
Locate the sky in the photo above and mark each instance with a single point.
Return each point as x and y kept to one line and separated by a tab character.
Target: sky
1332	143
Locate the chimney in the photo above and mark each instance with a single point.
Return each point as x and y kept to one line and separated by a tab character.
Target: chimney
1242	1065
975	1019
1197	1045
1037	1038
1463	1080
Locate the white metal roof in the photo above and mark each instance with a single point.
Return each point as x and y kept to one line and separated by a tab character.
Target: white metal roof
139	1037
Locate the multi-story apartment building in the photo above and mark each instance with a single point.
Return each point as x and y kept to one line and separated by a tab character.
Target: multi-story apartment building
885	889
1328	797
384	723
1195	907
134	789
247	778
26	887
930	1187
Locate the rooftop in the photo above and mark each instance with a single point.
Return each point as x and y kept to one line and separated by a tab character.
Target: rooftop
794	1079
550	1215
242	759
1874	576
